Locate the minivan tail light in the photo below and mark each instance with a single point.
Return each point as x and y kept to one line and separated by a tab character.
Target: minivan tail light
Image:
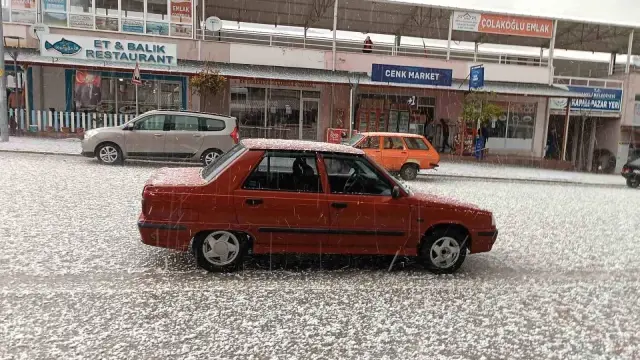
235	135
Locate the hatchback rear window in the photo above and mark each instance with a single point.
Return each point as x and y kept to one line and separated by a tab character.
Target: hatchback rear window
212	170
416	144
208	124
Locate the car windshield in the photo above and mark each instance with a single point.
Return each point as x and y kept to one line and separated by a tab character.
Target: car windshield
210	171
355	139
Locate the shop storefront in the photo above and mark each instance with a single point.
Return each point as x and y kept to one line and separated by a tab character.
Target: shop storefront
276	109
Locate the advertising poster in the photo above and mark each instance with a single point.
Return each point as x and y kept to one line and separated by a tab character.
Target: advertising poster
105	23
157	28
23	5
87	91
181	11
502	24
133	26
81	21
55	19
181	30
23	16
54	5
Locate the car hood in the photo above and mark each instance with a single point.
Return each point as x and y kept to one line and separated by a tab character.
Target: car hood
444	202
189	176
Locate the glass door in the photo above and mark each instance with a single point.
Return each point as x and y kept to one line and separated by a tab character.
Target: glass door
309	119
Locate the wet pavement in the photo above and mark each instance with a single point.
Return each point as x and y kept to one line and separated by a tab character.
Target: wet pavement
562	281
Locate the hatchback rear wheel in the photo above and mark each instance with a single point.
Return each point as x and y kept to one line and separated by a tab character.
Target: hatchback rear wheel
409	172
219	251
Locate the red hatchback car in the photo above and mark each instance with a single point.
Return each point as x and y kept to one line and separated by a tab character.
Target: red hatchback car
275	196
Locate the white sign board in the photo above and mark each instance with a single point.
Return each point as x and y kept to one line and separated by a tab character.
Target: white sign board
110	50
36	30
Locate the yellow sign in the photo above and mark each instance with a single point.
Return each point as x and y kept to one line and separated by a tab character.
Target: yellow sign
1	72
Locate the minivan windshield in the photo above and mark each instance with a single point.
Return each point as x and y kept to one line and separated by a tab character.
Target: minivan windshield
214	168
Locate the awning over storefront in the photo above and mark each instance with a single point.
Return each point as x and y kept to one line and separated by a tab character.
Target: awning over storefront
299	74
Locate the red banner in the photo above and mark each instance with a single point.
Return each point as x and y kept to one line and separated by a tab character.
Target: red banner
181	11
335	136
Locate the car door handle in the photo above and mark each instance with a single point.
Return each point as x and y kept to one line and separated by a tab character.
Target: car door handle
253	202
157	135
339	205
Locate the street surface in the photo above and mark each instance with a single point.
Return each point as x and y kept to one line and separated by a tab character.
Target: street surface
562	282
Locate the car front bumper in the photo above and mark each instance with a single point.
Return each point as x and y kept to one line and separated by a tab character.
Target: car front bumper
483	240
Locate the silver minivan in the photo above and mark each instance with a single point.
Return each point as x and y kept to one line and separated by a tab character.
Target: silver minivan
164	135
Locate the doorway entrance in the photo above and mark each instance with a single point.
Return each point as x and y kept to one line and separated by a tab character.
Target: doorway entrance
309	117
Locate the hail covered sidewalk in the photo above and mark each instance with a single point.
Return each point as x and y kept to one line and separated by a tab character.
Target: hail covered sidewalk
447	169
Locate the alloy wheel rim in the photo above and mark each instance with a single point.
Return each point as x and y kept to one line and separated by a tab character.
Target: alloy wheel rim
444	252
108	154
211	157
221	248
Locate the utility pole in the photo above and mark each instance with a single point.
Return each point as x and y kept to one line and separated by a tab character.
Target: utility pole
4	112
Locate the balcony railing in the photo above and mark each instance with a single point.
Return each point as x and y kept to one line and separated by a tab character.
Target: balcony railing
318	43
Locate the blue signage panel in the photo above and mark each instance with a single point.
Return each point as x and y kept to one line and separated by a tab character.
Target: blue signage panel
476	77
600	99
411	75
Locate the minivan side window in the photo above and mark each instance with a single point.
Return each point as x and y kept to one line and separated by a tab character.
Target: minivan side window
151	122
184	123
208	124
415	143
393	142
290	171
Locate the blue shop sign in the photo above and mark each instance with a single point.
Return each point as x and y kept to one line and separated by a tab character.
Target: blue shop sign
476	77
411	75
601	99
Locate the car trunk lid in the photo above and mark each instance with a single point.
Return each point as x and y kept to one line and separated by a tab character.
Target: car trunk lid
167	177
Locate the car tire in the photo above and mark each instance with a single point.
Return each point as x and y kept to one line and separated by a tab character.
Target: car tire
633	183
219	251
210	155
109	154
409	172
444	250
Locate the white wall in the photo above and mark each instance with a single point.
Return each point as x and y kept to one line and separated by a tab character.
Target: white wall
514	73
276	56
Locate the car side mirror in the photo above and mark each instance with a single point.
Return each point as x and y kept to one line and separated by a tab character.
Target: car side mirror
395	192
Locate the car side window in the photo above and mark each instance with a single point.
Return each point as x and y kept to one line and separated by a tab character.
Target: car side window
291	171
208	124
372	142
184	123
415	143
355	175
151	122
393	143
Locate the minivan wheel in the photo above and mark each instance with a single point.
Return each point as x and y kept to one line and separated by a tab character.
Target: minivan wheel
443	251
633	183
210	156
219	251
109	154
409	172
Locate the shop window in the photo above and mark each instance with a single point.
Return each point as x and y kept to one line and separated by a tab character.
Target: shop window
637	97
285	172
107	8
311	94
522	118
248	106
5	10
158	11
81	6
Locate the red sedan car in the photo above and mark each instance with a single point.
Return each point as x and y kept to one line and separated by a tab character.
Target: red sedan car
274	196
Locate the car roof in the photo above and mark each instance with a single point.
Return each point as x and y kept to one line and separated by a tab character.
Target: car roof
375	133
187	112
299	145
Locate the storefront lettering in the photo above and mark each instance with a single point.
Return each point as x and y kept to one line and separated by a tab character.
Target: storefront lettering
596	104
404	74
514	25
151	53
411	75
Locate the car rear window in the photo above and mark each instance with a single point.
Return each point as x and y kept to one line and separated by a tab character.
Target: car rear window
416	143
212	170
209	124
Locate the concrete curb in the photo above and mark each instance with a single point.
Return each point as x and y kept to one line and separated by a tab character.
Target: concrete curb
38	152
547	181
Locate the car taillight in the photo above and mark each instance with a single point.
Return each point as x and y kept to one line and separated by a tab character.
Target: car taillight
235	135
625	170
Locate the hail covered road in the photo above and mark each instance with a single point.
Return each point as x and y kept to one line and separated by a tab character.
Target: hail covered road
562	282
